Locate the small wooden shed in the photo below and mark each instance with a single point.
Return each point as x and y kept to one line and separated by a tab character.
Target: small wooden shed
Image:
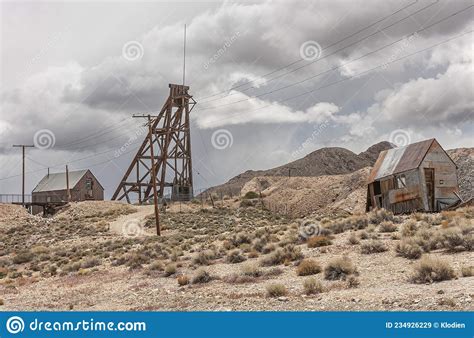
417	177
52	189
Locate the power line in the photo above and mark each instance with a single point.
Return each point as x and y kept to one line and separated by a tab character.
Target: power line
335	43
340	66
351	77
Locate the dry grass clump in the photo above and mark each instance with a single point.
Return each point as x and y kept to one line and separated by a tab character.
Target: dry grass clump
251	270
409	248
308	267
318	241
312	286
240	238
23	257
276	290
467	271
156	266
201	276
458	239
409	228
387	226
339	268
90	262
352	239
170	269
429	270
352	282
135	260
204	257
356	222
373	246
183	280
378	216
282	255
235	256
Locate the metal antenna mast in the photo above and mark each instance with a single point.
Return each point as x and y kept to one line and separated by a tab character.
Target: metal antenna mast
184	56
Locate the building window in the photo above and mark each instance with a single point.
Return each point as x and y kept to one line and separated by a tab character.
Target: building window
401	181
441	182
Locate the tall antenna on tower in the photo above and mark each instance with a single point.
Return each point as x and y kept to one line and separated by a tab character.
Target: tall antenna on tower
184	55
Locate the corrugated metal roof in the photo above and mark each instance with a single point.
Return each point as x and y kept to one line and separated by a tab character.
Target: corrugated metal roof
57	181
397	160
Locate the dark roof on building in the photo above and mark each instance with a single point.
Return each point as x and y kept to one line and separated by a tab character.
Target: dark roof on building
398	160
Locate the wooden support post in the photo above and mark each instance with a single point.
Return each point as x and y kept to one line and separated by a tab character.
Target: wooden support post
153	176
68	191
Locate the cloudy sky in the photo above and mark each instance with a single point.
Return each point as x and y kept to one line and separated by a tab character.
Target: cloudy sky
274	80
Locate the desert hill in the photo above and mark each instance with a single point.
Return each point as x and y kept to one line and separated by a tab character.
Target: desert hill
324	161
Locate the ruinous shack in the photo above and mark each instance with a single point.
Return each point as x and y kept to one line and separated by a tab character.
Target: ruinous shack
417	177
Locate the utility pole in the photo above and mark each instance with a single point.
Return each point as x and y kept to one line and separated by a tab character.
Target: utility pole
67	185
23	146
153	176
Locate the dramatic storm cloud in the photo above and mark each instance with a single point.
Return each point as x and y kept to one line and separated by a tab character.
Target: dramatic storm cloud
268	73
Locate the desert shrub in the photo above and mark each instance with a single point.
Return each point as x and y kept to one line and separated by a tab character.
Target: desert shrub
23	257
409	228
72	267
183	280
377	216
170	269
156	266
240	238
348	223
352	239
318	241
259	244
235	256
467	271
251	270
408	248
268	248
287	254
429	270
312	286
363	235
273	272
201	276
427	239
276	290
387	226
135	260
90	262
308	267
339	268
455	239
373	246
352	282
250	195
204	257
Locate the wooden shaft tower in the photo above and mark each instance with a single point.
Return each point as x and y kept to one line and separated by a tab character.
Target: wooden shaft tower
166	152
